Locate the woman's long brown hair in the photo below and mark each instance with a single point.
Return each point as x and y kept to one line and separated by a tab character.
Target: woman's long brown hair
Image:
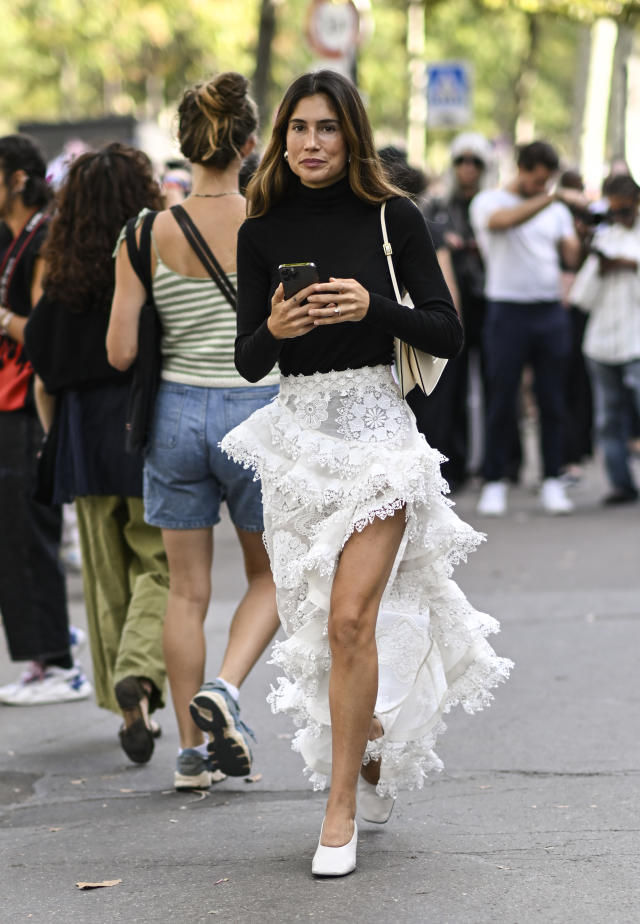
102	191
366	174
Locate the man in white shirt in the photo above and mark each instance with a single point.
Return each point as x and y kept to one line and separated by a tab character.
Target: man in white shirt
525	233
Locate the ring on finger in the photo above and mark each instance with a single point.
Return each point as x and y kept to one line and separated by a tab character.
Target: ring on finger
336	310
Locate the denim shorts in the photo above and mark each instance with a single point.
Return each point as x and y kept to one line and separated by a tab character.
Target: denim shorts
186	474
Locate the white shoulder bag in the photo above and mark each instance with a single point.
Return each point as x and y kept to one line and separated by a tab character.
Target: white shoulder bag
413	367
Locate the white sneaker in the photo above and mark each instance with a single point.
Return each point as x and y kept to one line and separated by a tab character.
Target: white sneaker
553	497
493	500
77	640
57	685
33	673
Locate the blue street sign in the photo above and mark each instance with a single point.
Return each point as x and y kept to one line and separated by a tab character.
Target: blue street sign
448	94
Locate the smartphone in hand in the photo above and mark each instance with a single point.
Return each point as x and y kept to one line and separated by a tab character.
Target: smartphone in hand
297	276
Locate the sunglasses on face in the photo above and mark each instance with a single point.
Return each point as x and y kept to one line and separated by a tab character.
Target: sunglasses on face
468	159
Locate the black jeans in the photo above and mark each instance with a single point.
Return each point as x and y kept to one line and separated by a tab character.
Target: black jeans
33	599
515	334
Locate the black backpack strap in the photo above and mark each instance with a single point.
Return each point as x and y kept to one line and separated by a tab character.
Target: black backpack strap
205	255
140	255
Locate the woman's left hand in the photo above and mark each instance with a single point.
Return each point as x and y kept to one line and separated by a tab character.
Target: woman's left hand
337	300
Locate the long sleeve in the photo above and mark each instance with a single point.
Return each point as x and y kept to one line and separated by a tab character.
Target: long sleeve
256	349
433	324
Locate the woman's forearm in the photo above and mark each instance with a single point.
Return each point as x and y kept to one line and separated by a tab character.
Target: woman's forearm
12	325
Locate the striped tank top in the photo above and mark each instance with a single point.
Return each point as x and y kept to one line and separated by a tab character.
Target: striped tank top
198	331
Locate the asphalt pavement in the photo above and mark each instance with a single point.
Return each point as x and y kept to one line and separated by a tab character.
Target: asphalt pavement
536	817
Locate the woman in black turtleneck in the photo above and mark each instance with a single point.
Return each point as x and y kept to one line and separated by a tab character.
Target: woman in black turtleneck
380	641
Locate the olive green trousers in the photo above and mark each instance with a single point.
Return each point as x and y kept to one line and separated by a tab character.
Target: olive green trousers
126	582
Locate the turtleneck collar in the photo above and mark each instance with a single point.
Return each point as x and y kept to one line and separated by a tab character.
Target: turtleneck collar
323	197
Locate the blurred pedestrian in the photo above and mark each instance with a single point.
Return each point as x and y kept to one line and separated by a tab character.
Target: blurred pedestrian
175	184
33	597
578	400
431	414
124	566
201	397
449	423
523	231
608	287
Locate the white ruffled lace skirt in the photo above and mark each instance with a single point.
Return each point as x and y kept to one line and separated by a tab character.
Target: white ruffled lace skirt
335	450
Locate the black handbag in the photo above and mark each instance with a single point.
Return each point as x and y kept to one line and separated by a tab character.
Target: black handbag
146	370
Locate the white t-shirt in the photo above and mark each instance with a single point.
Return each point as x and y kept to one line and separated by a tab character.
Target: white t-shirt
523	262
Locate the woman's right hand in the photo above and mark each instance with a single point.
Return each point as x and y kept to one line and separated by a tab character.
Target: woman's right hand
288	317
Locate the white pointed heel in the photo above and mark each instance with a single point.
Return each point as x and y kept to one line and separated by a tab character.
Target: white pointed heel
371	806
335	861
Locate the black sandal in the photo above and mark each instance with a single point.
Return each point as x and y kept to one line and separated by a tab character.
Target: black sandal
138	738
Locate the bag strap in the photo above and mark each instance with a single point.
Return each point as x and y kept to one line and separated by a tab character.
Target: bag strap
388	250
140	254
205	254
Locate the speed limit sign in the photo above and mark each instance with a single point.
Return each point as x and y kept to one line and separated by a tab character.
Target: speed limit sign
333	28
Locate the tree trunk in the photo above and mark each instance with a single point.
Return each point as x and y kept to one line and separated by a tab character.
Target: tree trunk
619	92
583	55
594	129
524	121
262	73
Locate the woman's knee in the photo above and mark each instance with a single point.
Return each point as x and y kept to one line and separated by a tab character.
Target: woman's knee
190	589
350	628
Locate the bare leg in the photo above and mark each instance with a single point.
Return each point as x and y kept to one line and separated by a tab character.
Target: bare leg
256	619
358	586
190	554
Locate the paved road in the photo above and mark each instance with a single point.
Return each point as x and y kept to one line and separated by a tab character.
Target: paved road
535	819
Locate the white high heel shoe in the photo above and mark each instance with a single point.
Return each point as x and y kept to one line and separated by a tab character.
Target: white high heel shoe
371	806
335	861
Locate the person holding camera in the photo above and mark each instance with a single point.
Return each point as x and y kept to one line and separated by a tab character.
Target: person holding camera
524	231
608	288
380	642
201	397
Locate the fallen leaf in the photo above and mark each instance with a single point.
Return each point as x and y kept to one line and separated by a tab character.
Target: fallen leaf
221	880
55	829
502	867
253	779
77	782
126	790
105	884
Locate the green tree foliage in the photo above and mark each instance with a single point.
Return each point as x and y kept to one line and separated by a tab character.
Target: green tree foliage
82	58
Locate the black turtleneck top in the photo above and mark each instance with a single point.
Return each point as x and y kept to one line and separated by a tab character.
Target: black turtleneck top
342	235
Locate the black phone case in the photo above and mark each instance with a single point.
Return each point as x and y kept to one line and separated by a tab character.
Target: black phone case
298	277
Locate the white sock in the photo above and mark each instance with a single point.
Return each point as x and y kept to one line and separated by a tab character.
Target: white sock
234	691
201	749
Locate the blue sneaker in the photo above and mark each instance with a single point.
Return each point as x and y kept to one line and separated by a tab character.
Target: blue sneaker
193	771
215	711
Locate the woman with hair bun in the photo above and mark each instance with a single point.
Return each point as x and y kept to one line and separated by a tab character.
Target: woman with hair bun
362	542
202	396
